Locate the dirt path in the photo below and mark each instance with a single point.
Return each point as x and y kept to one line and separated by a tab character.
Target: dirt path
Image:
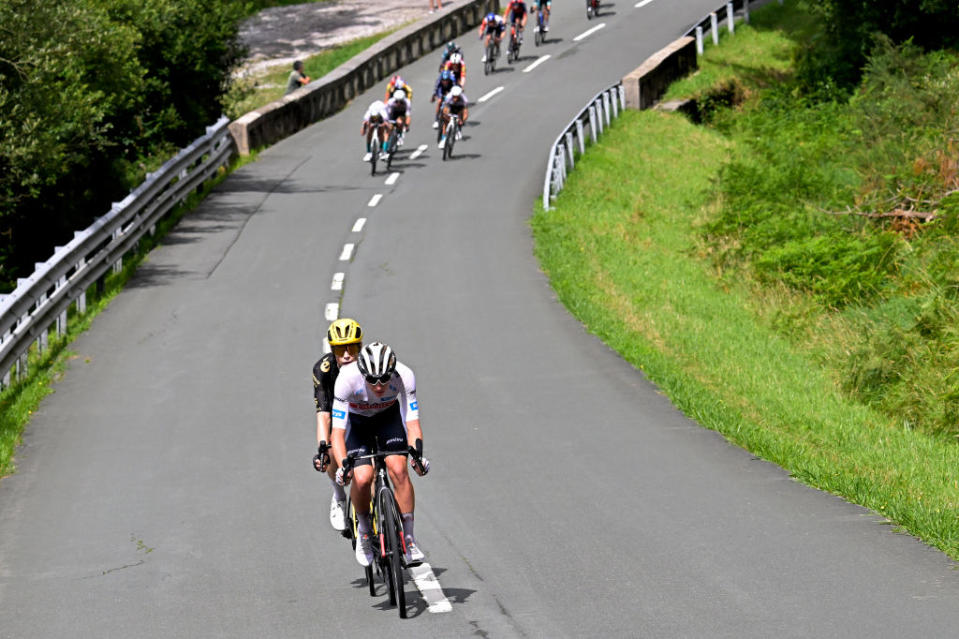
280	35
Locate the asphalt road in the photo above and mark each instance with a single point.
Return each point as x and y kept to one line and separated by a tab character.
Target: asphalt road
165	489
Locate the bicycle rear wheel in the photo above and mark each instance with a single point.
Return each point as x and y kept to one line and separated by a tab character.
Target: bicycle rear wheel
394	548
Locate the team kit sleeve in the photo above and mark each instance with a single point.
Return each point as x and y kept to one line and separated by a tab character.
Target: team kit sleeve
341	407
323	385
411	407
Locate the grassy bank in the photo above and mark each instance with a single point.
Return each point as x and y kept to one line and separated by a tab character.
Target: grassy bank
250	92
632	249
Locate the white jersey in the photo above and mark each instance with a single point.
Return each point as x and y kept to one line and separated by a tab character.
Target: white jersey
399	107
352	394
377	108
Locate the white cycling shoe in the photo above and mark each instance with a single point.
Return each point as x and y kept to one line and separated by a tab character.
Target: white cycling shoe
337	514
436	124
364	550
414	556
442	143
367	157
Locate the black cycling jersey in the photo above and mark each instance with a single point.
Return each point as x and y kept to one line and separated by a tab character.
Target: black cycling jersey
324	377
456	105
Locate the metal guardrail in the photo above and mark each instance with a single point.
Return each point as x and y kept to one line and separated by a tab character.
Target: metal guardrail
40	302
596	115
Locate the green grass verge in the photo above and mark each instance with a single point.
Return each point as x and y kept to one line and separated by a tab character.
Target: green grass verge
622	249
19	401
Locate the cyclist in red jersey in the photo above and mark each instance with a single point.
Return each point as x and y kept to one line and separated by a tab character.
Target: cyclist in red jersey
516	12
457	66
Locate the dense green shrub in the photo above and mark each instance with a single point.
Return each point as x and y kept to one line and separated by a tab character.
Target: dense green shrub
851	197
831	63
92	94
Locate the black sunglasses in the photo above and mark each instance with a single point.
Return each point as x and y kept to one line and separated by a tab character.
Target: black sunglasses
383	379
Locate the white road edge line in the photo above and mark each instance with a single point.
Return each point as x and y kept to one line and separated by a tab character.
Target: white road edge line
490	94
540	61
390	181
358	226
375	199
419	150
429	586
643	3
337	284
332	311
347	252
588	33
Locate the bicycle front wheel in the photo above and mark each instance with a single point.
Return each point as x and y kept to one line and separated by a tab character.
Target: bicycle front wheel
395	546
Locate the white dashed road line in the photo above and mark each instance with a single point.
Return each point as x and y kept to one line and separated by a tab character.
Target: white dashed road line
588	33
429	586
358	226
337	284
643	3
392	179
490	94
332	311
375	199
347	252
415	154
541	60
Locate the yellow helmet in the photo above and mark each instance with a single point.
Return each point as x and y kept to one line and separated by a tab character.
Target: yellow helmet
344	331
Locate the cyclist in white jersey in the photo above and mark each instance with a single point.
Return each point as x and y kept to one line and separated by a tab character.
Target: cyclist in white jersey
376	397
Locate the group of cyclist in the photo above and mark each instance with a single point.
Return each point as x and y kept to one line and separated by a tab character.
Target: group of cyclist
364	395
515	16
396	108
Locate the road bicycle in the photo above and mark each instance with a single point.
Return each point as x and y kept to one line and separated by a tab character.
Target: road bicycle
393	142
374	136
592	9
451	131
540	36
492	52
512	52
387	539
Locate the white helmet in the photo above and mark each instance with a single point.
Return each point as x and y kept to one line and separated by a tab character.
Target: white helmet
399	94
376	362
456	91
377	105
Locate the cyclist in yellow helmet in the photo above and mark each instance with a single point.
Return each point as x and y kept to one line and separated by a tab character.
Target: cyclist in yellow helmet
346	339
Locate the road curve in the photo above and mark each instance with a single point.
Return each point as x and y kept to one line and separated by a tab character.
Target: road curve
164	489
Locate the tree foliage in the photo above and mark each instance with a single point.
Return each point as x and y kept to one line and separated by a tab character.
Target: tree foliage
89	91
834	61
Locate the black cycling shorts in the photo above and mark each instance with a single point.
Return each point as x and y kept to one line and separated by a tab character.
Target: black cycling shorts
387	427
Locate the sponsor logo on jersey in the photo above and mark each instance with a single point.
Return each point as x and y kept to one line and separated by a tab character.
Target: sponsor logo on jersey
372	405
325	366
414	405
339	414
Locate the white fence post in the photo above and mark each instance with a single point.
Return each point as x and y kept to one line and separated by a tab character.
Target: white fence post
599	115
699	39
730	17
579	137
714	26
606	106
592	123
746	11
